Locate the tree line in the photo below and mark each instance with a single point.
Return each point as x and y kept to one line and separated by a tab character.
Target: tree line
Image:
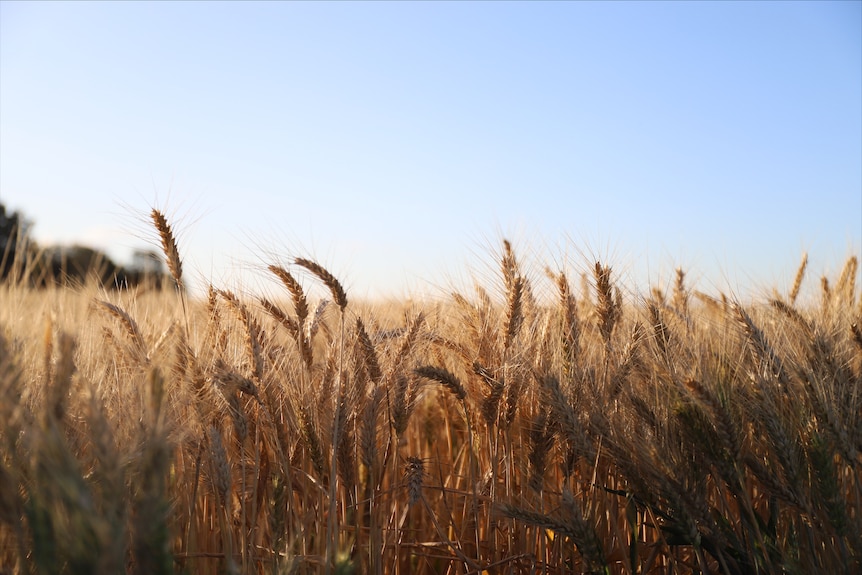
24	261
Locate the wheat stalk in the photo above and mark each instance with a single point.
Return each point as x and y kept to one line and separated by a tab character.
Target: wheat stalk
340	298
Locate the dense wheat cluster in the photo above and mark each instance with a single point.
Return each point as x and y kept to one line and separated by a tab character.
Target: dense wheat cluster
489	432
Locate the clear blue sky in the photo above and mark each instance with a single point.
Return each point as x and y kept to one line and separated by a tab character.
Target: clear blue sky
398	142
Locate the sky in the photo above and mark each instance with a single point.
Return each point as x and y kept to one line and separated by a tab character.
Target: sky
399	143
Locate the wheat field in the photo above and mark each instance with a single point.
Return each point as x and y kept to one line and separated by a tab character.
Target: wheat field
495	431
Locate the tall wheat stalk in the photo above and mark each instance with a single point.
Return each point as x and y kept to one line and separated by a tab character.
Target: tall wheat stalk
340	298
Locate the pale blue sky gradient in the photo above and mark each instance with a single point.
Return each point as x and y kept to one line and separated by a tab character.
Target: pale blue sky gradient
396	142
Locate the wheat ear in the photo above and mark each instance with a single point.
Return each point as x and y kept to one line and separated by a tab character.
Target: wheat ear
509	265
606	307
278	315
329	280
846	285
514	312
571	329
367	353
444	377
797	282
414	473
169	247
541	436
760	346
300	303
130	327
253	343
680	293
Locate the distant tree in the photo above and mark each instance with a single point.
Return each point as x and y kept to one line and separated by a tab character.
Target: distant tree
69	265
77	264
14	239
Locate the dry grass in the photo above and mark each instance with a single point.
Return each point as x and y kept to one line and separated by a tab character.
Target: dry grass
150	434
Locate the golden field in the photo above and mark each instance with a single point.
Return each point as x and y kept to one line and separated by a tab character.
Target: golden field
495	431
